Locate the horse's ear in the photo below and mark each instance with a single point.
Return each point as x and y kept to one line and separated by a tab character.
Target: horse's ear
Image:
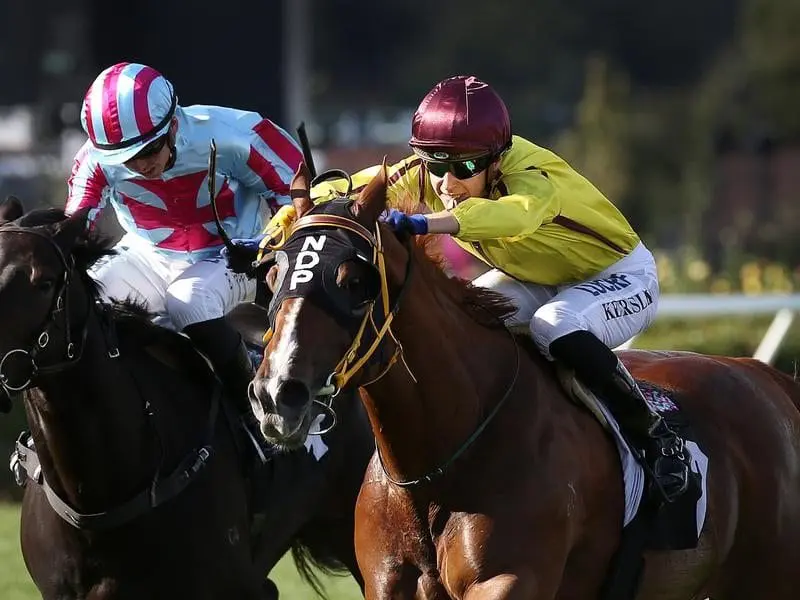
372	199
300	190
67	232
10	209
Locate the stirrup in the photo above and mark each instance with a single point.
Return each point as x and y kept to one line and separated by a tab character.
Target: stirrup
669	443
674	483
668	450
673	447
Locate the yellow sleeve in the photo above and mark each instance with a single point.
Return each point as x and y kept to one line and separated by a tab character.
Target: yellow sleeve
404	190
521	213
404	184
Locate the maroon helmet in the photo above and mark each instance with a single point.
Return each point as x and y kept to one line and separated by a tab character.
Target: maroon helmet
460	116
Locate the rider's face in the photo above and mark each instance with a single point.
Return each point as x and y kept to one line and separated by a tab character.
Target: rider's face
152	161
452	190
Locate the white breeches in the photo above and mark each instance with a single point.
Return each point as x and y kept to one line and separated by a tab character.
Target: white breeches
615	305
183	292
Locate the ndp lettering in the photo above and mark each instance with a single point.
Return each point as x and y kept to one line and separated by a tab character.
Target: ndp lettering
306	260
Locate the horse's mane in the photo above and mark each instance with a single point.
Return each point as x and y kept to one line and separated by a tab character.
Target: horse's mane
486	307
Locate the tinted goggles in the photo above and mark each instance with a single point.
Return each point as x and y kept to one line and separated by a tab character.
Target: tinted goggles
152	148
460	169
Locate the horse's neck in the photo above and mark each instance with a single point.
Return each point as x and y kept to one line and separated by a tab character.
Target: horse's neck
88	425
460	375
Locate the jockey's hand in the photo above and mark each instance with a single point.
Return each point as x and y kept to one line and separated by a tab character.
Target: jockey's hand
241	257
403	223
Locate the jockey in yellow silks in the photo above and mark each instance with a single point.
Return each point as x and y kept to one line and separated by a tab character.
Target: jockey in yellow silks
578	273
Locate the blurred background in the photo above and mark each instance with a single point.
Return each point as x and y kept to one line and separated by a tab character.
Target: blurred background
686	114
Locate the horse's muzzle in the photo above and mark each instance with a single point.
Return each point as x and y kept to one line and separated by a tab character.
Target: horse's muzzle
286	408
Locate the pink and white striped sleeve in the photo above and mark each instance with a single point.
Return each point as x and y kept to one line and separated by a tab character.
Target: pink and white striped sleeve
272	162
86	186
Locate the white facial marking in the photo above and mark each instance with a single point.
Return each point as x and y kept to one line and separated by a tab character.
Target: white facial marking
281	358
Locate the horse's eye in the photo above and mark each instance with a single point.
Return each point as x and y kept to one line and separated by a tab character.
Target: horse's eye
45	285
352	283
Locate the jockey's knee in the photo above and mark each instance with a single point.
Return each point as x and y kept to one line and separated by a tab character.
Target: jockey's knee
116	281
526	297
188	301
551	322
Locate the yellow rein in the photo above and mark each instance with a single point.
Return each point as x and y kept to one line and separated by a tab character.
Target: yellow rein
349	365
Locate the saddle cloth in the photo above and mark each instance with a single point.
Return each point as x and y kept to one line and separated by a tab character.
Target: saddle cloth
632	472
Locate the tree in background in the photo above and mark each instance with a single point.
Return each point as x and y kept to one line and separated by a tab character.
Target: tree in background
771	47
599	139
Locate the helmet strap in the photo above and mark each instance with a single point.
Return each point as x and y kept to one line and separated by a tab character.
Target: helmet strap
173	151
493	171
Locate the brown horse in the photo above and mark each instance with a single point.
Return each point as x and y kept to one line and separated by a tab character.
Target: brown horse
488	481
141	490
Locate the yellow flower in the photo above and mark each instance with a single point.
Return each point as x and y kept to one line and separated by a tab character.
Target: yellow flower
776	278
698	270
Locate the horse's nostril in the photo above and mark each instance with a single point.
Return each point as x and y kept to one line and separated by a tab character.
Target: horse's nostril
258	391
292	393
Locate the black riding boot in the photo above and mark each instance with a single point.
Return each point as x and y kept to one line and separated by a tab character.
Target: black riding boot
228	354
597	366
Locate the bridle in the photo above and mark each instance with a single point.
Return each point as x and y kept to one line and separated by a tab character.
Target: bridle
59	307
163	486
352	362
354	358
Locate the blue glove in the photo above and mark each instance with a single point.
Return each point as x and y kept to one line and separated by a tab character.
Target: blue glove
240	258
401	222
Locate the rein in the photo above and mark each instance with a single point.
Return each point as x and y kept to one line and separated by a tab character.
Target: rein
439	471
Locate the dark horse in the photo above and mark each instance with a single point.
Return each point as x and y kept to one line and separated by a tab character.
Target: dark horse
488	481
143	491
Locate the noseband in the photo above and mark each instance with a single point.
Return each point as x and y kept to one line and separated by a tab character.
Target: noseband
59	306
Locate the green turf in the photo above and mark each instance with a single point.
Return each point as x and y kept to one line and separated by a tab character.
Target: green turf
16	585
14	581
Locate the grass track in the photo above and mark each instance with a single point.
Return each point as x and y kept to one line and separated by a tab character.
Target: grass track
16	585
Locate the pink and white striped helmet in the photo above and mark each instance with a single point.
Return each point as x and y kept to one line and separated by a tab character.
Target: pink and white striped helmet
127	106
